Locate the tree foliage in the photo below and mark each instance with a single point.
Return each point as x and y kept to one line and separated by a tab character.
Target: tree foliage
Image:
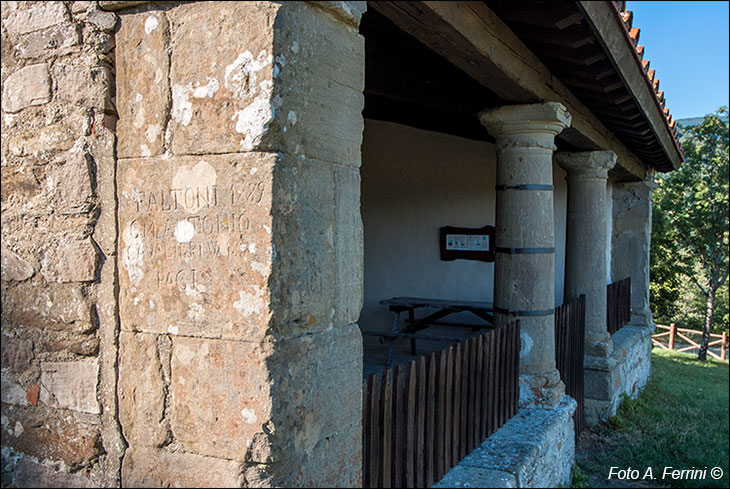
690	233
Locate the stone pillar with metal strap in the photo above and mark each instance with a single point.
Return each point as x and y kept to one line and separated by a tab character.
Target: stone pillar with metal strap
630	242
524	242
586	240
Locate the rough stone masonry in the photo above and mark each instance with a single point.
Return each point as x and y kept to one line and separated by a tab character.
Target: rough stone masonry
59	317
181	243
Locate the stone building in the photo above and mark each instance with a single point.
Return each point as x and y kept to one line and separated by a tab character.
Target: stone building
202	200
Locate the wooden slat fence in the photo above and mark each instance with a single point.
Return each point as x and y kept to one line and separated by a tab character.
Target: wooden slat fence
618	305
569	346
672	332
421	419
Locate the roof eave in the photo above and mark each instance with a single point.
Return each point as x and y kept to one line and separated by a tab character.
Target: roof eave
606	22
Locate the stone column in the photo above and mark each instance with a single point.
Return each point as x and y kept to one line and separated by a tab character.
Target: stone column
586	240
524	241
630	242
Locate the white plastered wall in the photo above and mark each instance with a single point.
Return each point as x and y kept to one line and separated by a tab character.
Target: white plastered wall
413	183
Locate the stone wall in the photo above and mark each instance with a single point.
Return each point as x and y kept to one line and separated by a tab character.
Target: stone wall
630	370
208	336
59	318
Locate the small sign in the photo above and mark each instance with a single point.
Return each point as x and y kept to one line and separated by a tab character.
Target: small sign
467	243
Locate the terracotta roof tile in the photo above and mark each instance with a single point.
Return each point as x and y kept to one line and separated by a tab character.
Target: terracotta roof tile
633	33
628	17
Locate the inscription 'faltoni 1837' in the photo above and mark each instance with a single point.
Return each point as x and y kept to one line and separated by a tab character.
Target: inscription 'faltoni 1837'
191	199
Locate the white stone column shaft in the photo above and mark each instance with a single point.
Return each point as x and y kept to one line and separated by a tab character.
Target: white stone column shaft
586	240
524	266
630	243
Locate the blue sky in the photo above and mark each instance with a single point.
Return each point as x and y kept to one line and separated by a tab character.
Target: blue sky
687	44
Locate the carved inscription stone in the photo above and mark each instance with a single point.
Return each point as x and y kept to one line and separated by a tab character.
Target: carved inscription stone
196	246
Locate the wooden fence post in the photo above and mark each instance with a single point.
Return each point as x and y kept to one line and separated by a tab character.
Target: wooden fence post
723	351
672	331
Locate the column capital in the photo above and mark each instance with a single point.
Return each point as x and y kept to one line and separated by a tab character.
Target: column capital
526	125
586	164
639	190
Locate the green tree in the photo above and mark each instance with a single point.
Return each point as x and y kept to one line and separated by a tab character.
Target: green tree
691	209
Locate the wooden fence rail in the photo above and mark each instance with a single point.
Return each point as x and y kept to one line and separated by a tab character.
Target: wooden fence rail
569	346
672	332
421	419
618	305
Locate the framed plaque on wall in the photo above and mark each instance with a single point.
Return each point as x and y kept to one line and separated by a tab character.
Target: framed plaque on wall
467	243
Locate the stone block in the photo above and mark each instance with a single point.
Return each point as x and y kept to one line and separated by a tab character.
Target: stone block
84	84
35	17
49	139
317	397
78	344
56	307
12	393
141	390
219	396
56	40
70	184
71	259
105	21
26	87
597	410
599	384
320	85
143	90
28	473
13	267
16	353
33	432
295	85
349	12
348	246
302	283
80	7
20	185
196	245
70	385
146	467
221	99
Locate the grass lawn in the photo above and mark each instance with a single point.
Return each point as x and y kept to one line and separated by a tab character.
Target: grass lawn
680	420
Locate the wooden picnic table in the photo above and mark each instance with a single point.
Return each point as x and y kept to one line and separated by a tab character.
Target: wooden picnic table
442	307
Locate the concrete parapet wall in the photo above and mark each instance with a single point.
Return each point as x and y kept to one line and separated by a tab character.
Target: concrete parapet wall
536	448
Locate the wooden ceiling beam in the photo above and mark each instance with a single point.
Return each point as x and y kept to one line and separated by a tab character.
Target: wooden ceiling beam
574	37
524	12
476	40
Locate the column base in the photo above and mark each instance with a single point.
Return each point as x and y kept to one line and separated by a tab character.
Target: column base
625	371
643	318
543	390
599	348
